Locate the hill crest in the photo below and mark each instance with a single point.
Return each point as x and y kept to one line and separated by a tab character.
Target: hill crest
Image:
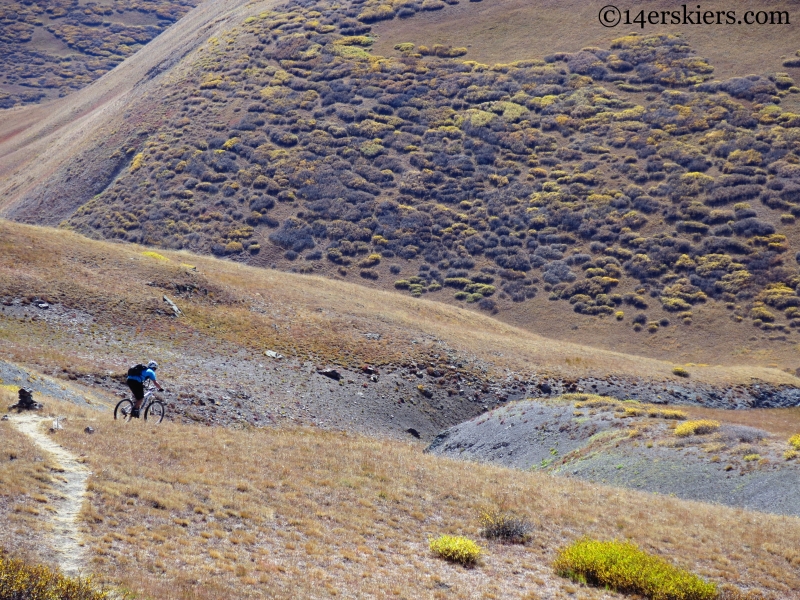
623	184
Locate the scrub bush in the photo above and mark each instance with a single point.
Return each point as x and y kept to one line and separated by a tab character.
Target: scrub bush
504	526
20	580
623	567
699	427
456	549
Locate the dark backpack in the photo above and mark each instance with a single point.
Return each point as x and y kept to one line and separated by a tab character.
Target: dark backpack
136	370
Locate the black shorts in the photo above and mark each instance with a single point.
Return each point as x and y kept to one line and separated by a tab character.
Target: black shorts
137	387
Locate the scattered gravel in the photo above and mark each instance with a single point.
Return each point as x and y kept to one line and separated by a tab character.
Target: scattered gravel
12	375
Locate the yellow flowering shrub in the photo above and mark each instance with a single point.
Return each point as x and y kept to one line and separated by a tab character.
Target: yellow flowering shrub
456	549
794	441
696	427
623	567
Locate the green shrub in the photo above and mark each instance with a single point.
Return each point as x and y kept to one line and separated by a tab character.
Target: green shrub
457	282
680	372
456	549
762	314
623	567
19	580
405	47
371	149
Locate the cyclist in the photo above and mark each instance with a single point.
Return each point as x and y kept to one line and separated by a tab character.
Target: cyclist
136	377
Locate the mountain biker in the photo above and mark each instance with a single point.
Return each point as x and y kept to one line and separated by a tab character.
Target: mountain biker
136	377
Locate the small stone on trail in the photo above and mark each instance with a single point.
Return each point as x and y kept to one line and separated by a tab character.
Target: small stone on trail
89	430
273	354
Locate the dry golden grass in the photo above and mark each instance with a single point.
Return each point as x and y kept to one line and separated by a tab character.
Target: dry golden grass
305	316
780	421
204	512
26	490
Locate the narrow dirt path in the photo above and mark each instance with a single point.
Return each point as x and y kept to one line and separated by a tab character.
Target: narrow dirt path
71	484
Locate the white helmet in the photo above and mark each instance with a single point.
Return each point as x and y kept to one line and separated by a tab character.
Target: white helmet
152	365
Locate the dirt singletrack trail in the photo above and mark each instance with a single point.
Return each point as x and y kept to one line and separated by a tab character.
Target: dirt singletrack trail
71	484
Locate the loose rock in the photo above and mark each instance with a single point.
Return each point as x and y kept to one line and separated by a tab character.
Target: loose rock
332	373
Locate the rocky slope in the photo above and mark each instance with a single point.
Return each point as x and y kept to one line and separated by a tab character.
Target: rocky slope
628	444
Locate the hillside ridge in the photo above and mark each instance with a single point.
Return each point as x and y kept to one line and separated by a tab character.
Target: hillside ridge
401	363
624	184
39	142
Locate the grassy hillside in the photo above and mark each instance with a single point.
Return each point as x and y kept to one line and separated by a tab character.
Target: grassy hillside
279	513
623	182
434	365
50	50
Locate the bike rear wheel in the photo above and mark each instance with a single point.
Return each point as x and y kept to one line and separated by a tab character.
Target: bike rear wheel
155	412
123	410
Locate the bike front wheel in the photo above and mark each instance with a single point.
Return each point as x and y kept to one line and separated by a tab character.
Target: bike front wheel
155	412
123	410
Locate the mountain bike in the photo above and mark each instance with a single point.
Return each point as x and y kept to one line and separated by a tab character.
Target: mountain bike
152	409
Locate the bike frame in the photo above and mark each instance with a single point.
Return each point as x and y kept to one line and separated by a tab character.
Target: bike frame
149	390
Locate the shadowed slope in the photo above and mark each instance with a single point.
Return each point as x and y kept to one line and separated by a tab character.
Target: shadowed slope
54	145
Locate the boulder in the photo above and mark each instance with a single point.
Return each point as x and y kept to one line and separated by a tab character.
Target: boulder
332	373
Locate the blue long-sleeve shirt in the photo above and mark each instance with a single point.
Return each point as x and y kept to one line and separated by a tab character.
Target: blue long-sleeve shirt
147	374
